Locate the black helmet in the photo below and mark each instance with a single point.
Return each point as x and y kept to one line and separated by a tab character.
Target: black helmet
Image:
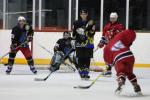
83	11
66	34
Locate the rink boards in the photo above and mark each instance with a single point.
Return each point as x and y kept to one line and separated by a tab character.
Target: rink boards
140	48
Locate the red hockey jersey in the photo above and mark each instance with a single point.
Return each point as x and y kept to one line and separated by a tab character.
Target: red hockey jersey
119	47
111	29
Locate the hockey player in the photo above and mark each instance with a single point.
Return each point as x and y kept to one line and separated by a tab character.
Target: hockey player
118	53
21	33
83	33
110	30
64	44
63	49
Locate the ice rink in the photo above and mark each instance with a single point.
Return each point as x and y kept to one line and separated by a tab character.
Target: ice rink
20	85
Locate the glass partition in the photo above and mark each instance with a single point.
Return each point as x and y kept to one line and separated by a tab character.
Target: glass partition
139	14
15	8
118	6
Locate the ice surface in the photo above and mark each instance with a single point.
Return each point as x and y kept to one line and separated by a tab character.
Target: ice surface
20	85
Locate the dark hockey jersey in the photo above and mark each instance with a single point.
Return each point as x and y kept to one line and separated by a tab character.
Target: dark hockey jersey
86	38
20	35
63	45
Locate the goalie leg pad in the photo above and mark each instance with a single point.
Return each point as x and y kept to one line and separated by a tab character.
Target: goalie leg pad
56	61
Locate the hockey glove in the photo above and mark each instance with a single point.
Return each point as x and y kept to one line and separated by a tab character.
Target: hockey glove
80	31
27	27
102	42
13	47
29	38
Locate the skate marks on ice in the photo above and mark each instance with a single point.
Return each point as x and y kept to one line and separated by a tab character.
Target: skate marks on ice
127	92
132	95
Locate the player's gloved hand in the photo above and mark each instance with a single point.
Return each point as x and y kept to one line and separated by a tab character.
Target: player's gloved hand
102	42
27	27
13	47
29	38
56	48
80	31
91	22
89	25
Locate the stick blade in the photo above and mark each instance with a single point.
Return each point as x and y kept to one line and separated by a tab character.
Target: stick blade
43	79
39	79
82	87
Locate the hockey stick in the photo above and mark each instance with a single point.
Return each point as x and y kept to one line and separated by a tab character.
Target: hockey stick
45	49
66	64
44	79
96	49
88	86
13	49
94	52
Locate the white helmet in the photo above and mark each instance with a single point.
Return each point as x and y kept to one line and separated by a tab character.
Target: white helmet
21	18
114	15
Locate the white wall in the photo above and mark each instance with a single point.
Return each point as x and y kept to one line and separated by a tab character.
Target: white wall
140	48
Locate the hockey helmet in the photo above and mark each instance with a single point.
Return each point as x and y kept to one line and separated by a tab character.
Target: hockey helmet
21	18
113	16
66	34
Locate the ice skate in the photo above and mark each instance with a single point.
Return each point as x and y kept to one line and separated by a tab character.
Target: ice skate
137	89
33	69
9	69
